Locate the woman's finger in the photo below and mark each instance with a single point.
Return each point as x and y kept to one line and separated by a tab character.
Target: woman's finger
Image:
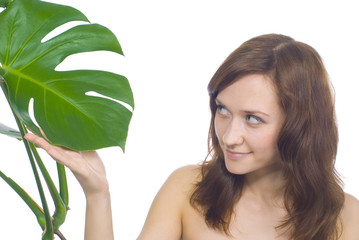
38	141
86	166
54	151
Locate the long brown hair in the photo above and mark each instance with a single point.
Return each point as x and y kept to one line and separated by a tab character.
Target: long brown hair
307	143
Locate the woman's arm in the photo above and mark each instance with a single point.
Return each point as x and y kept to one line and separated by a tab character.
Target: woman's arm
90	172
98	217
164	220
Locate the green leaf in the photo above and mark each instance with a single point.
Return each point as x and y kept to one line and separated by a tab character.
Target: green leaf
4	3
10	131
65	111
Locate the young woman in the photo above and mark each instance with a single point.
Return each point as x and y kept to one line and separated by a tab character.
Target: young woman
272	146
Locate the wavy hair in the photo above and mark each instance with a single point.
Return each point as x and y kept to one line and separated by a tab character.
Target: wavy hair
307	142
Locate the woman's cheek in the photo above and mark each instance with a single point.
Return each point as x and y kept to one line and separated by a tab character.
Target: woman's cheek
218	128
264	141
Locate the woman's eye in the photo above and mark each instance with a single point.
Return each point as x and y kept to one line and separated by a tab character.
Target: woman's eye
222	110
253	119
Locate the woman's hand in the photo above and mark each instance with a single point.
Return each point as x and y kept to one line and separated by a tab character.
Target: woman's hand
90	172
86	166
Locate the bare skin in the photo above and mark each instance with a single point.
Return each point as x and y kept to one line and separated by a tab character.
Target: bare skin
247	123
171	216
257	219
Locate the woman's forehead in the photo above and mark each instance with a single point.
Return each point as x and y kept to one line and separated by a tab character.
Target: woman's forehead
254	92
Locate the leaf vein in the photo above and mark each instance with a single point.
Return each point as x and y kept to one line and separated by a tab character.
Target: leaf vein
26	42
46	52
46	88
9	41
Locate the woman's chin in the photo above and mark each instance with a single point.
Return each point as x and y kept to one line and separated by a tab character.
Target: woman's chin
236	168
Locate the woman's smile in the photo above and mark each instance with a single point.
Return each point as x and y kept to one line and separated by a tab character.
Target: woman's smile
236	155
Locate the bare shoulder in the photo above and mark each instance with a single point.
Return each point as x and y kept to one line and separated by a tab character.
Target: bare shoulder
183	179
350	217
180	183
186	175
351	208
164	220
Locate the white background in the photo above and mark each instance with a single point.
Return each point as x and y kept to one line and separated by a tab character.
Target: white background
172	49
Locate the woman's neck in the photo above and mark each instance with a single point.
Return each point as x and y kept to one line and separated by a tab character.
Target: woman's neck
265	186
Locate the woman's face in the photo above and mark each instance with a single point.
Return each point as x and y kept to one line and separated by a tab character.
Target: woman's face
247	123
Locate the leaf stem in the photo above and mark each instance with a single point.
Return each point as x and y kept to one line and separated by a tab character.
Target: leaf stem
36	209
59	234
4	87
64	192
48	227
60	208
49	230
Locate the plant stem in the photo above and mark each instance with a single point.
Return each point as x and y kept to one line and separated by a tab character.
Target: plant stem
59	234
60	208
4	88
64	192
36	209
49	230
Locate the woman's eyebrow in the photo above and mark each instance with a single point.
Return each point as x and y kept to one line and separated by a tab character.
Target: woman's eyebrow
256	112
218	102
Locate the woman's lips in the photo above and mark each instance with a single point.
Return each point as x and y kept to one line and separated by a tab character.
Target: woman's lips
236	155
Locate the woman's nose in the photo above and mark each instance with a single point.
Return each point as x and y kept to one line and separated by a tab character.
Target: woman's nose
234	134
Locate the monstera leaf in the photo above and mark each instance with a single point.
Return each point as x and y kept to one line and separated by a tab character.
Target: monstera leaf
63	107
